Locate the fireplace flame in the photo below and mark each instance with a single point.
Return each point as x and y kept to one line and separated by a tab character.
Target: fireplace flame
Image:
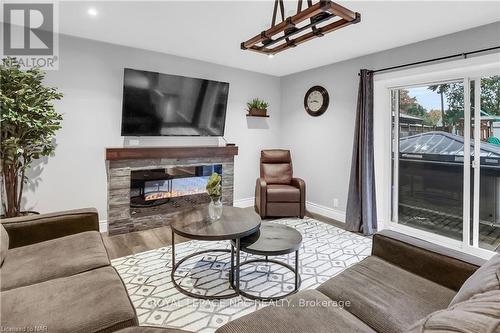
170	194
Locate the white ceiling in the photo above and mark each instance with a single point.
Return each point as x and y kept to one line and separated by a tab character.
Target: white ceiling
213	30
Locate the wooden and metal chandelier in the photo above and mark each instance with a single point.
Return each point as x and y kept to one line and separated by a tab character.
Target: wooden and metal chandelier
314	21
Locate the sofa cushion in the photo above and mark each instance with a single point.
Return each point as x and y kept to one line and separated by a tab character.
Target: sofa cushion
282	193
54	258
94	301
149	329
30	229
386	297
448	267
307	311
486	278
478	314
4	244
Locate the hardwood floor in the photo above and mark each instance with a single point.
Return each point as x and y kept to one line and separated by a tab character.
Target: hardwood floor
140	241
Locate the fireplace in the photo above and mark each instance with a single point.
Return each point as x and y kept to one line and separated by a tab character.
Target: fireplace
149	186
169	189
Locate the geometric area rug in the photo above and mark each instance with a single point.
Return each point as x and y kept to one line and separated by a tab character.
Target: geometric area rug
326	251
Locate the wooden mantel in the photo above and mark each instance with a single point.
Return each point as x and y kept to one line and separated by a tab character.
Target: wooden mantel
134	153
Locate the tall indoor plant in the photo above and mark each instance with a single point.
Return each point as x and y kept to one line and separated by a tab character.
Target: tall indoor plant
28	124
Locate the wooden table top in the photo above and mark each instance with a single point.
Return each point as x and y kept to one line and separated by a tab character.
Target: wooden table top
272	239
234	223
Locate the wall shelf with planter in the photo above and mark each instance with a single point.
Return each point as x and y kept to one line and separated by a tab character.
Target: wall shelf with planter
257	108
252	116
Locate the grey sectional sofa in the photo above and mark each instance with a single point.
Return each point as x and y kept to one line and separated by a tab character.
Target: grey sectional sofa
55	276
406	285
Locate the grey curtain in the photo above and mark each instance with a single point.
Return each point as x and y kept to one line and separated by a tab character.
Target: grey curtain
361	213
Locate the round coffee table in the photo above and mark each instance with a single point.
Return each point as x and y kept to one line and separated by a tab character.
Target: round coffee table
194	224
272	239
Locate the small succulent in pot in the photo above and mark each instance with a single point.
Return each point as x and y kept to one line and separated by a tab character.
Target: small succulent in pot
214	186
257	107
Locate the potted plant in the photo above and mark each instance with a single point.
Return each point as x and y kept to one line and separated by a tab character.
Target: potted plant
257	108
214	190
28	125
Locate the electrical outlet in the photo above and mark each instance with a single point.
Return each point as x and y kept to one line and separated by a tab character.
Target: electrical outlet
335	203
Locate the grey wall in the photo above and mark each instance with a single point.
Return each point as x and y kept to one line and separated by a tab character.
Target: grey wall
322	146
91	76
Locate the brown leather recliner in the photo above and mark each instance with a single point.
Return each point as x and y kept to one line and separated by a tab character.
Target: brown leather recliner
277	193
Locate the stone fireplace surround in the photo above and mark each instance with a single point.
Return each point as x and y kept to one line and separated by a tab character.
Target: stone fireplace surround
121	161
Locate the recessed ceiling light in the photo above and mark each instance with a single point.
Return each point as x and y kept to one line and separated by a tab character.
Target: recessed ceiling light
270	55
92	11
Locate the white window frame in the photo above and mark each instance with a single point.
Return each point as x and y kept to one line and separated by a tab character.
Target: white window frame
459	70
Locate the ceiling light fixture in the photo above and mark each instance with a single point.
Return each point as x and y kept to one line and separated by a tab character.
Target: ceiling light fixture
313	19
270	55
92	11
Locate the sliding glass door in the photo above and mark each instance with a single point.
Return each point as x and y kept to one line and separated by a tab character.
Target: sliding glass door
438	185
485	168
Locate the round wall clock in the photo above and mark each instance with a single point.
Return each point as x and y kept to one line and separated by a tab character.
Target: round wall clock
316	101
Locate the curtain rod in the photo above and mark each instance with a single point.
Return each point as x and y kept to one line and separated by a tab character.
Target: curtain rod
464	55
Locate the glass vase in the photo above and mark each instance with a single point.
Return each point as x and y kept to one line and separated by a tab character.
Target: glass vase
215	208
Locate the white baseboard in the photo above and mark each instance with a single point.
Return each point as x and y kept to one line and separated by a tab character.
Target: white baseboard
332	213
243	203
103	226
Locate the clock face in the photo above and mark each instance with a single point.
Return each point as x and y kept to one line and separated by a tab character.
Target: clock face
316	101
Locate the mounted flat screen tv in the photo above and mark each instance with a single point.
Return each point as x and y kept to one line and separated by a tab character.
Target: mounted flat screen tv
157	104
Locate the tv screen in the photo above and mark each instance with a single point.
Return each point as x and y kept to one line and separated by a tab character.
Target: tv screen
157	104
